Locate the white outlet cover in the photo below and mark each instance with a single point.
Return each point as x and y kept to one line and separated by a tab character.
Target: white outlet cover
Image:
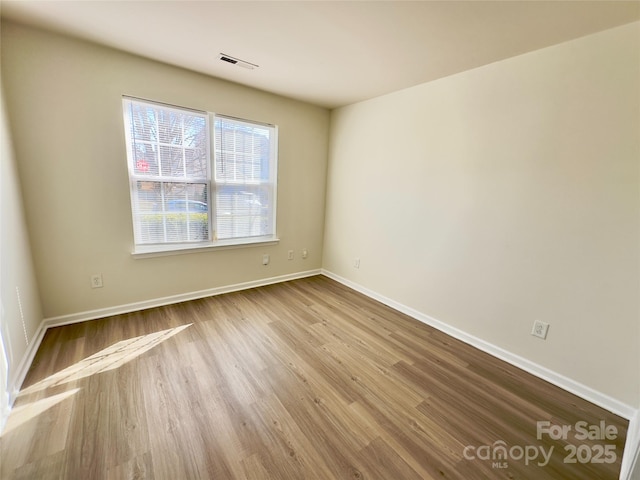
540	329
96	281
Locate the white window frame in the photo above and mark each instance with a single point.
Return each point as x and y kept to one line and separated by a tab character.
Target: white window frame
212	186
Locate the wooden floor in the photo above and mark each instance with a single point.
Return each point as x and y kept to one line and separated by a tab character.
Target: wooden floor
301	380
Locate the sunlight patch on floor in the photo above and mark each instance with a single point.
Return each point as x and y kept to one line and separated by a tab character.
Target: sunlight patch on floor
110	358
105	360
26	412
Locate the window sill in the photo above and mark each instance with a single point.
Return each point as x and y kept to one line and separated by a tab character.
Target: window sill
146	251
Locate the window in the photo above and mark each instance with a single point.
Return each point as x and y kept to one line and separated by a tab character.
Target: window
198	179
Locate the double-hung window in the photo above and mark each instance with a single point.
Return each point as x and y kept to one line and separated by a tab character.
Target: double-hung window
198	179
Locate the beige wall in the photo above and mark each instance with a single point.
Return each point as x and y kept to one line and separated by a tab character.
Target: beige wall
487	199
502	195
20	311
64	105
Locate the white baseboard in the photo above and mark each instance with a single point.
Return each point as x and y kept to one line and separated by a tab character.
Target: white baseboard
25	363
544	373
50	322
159	302
631	455
583	391
23	367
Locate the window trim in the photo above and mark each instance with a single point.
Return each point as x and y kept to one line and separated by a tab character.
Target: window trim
141	250
163	250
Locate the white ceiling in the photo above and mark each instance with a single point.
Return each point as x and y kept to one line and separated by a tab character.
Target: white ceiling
330	53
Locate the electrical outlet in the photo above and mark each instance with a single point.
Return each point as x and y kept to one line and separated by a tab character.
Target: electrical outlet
96	280
290	255
265	259
356	263
540	329
305	253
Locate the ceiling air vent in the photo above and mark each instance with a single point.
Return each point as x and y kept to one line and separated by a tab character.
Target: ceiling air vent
236	61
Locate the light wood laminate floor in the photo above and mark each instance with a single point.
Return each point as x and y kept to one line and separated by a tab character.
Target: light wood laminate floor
301	380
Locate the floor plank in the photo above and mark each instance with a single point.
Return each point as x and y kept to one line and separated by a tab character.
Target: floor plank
301	380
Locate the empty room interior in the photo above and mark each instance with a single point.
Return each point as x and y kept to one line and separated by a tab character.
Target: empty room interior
320	240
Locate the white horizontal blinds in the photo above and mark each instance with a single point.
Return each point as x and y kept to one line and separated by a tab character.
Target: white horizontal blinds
168	151
245	174
170	170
